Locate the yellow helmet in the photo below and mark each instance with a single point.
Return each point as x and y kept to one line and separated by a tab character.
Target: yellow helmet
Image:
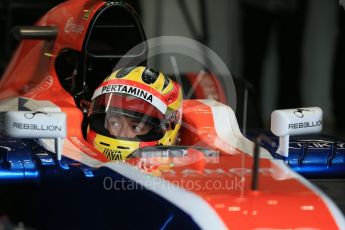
132	108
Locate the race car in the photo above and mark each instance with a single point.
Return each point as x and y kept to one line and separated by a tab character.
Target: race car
51	177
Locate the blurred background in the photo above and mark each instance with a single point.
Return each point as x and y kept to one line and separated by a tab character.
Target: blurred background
287	50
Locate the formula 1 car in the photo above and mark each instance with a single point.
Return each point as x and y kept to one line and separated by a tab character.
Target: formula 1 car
215	178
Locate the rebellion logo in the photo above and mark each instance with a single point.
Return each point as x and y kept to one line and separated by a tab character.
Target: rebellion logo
303	125
36	127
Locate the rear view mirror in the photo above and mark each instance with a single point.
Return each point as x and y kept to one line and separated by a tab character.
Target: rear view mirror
36	124
294	122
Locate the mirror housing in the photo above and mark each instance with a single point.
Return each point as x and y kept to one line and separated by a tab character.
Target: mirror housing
294	122
37	124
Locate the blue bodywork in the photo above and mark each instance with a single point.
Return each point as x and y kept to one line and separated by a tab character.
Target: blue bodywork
313	156
43	193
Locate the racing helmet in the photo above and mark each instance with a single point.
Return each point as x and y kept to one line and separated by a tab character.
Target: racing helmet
134	107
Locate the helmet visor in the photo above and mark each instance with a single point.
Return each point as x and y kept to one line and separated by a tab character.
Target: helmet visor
125	117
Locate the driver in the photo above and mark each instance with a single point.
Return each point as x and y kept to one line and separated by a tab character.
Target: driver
134	107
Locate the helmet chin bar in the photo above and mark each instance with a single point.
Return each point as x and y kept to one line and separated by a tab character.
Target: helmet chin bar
294	122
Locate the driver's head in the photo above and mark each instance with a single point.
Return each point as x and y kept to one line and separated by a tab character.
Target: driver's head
132	108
